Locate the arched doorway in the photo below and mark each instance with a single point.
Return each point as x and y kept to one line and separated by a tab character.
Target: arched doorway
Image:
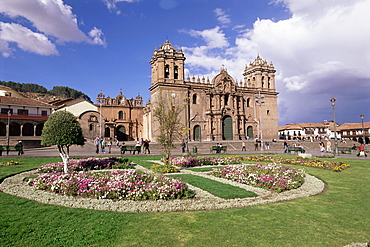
227	128
2	129
121	133
39	128
28	130
107	132
250	132
14	129
197	133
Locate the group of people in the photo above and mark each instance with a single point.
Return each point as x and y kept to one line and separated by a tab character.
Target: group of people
102	144
105	144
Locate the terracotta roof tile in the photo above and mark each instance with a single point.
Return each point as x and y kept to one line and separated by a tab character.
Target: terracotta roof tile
23	101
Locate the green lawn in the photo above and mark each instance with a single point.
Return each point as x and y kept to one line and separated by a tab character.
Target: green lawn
337	217
216	188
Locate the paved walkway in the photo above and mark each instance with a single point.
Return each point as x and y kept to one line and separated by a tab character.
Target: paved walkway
89	150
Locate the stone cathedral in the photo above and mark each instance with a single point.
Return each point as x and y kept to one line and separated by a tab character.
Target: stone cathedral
218	109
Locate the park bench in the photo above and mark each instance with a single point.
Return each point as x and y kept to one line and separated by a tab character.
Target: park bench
132	149
344	150
296	149
218	149
8	149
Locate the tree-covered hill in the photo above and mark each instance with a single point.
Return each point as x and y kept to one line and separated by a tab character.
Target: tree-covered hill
60	91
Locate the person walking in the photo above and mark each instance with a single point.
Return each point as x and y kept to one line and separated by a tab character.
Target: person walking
97	143
243	147
361	150
328	146
286	145
103	144
109	145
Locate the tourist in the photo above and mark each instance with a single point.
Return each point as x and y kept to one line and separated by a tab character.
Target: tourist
103	143
109	145
243	147
361	150
286	145
97	143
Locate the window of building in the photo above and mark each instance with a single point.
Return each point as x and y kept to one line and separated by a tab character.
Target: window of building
176	72
226	99
6	110
91	127
44	113
167	71
194	99
120	115
22	112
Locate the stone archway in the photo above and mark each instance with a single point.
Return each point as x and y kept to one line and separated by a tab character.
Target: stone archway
121	133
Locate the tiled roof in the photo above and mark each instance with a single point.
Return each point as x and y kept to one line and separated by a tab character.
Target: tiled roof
351	126
7	100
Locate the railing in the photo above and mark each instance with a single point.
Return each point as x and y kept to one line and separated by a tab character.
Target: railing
15	116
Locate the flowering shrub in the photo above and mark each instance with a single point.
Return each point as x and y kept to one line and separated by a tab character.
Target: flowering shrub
270	177
88	164
10	163
184	161
119	185
164	168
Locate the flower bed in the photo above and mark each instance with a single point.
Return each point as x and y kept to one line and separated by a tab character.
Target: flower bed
88	164
119	185
270	177
185	161
334	166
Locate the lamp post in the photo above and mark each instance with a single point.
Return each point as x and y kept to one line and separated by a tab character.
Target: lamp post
259	100
332	100
362	116
7	129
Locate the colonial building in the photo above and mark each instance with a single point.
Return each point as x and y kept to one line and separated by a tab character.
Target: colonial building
87	114
123	117
22	118
217	109
309	131
356	131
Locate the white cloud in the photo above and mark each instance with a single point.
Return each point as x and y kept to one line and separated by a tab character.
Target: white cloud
111	4
214	38
322	43
49	18
222	17
25	39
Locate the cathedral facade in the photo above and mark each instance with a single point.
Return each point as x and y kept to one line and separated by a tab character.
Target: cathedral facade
123	118
217	109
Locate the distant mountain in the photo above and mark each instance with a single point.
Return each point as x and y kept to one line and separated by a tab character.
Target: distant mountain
37	91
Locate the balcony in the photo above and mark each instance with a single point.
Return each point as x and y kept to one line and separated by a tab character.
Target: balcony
15	116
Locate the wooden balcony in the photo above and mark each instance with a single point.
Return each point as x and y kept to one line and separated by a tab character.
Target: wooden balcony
15	116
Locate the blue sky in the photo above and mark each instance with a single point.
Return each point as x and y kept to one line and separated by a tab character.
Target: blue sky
320	49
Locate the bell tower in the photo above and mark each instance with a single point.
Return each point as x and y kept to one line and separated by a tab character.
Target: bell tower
167	65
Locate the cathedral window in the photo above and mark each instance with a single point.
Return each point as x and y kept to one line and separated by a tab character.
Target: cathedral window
194	99
248	102
176	72
226	99
167	71
120	115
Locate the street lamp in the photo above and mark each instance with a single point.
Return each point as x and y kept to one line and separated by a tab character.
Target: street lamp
7	129
362	116
332	100
260	102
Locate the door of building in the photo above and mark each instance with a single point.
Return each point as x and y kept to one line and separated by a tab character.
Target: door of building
197	133
227	128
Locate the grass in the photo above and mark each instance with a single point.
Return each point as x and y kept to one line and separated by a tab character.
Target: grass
216	188
335	218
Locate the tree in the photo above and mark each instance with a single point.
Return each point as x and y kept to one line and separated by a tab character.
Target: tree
62	129
167	114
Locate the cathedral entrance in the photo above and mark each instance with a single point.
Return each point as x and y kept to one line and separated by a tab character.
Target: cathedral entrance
121	133
227	128
197	133
250	132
